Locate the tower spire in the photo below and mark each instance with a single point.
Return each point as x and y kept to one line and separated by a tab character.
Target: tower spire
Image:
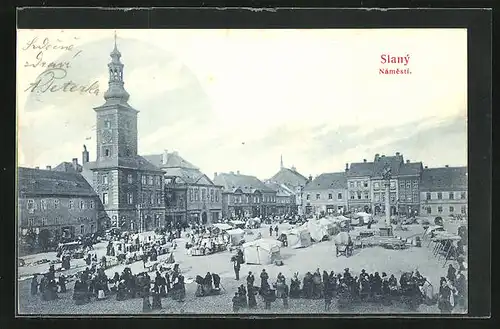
116	93
281	162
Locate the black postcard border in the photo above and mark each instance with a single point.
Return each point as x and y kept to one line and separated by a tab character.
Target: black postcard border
477	21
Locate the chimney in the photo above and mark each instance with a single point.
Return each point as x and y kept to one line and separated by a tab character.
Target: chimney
407	161
48	168
425	167
346	167
446	166
377	156
75	163
215	175
364	160
397	154
310	178
164	157
237	172
37	167
85	155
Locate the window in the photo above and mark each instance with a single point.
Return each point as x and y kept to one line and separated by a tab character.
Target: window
339	196
463	209
365	183
463	195
82	204
107	124
56	203
31	222
129	178
152	198
351	184
203	194
105	179
451	196
358	194
429	210
330	196
158	198
70	204
358	184
366	195
440	209
143	179
415	196
107	152
158	180
130	198
44	204
82	229
408	184
452	209
212	196
318	196
401	184
307	197
352	195
376	185
44	221
392	185
104	198
150	180
415	184
393	197
92	228
31	204
382	196
92	204
190	195
196	195
376	196
216	196
440	195
428	196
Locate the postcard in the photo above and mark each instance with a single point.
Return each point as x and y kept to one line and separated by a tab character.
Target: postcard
231	171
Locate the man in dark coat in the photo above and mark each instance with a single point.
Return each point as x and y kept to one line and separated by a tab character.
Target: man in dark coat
451	273
236	302
252	302
236	267
263	280
270	231
250	280
62	283
34	285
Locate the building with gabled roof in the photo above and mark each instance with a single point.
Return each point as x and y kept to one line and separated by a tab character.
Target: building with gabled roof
443	191
285	199
326	193
190	194
245	196
56	203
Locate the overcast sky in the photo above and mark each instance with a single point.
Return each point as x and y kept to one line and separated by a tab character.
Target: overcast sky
231	100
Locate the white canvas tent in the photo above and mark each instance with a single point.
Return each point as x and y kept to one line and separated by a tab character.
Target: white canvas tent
316	230
262	251
223	227
298	238
331	226
342	238
237	223
236	235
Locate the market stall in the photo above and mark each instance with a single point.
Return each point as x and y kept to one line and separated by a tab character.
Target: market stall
298	238
236	236
262	251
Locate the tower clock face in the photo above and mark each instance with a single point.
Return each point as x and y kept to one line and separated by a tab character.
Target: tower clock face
106	136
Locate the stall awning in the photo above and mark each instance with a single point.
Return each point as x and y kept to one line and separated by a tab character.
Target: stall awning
223	227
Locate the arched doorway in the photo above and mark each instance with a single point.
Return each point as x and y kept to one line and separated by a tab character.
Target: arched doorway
204	218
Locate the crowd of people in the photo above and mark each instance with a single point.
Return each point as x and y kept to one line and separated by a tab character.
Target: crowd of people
206	240
49	285
350	289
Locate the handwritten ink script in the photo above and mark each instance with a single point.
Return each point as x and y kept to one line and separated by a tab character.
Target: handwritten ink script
54	77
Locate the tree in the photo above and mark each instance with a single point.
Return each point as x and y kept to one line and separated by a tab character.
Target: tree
30	240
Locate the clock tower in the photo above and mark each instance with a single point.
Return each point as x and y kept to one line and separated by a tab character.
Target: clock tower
116	125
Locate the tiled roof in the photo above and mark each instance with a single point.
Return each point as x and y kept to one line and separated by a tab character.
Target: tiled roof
358	169
411	169
134	162
444	179
289	177
174	160
328	181
281	189
188	176
68	167
247	184
380	162
33	182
